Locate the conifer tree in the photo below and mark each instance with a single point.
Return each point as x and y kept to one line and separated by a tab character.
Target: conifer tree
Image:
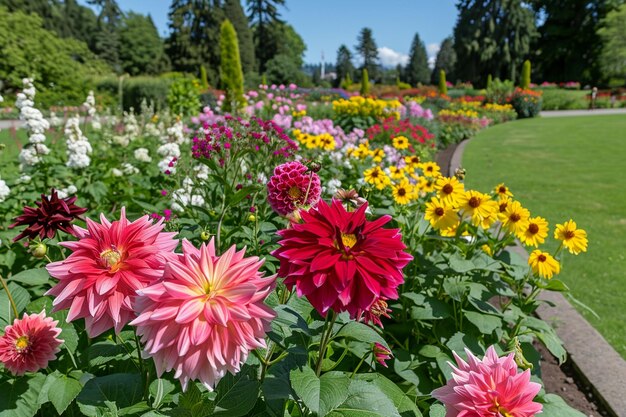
368	50
230	68
234	12
417	70
344	66
525	81
365	83
443	86
489	81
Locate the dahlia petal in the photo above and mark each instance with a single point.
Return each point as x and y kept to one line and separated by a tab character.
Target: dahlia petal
189	310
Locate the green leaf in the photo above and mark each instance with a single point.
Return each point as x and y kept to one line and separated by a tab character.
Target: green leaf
361	332
21	298
320	395
62	393
365	400
102	352
159	389
19	397
427	308
486	323
36	276
401	401
554	285
236	394
554	406
123	390
437	410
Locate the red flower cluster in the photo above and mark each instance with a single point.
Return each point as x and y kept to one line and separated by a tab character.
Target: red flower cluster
51	214
341	261
390	128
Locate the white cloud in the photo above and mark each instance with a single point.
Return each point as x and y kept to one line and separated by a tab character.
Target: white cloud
431	50
390	58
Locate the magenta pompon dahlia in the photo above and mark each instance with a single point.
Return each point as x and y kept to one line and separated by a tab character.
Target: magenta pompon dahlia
206	315
293	186
339	260
489	388
29	343
108	264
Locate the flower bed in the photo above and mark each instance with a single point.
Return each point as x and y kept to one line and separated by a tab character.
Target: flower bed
246	266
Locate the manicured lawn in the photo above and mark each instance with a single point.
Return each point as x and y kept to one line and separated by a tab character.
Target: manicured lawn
561	168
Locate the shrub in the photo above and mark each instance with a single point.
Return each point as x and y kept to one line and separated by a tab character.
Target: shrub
183	96
499	91
365	83
489	81
559	99
135	89
443	87
230	68
525	80
527	103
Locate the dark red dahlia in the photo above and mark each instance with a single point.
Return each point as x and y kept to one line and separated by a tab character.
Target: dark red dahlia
51	214
341	261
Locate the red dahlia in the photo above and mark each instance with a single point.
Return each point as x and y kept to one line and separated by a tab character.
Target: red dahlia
51	214
339	260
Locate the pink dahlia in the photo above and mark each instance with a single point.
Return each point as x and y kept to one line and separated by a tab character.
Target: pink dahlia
489	388
109	263
293	186
30	343
381	354
339	260
206	314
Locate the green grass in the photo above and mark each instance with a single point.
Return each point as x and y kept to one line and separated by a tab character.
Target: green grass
561	168
11	139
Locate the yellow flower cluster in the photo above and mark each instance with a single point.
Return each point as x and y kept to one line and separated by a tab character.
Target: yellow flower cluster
358	106
363	151
502	108
323	141
300	113
472	114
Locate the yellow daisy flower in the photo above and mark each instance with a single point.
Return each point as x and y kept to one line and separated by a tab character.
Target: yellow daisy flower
377	155
400	142
543	264
425	185
377	177
430	169
403	192
396	173
503	203
514	218
534	232
575	240
503	191
412	161
449	190
326	141
479	207
487	249
440	215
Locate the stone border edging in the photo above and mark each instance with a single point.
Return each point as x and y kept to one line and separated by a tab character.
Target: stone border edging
593	358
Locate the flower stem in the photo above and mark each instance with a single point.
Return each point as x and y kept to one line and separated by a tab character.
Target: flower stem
326	333
359	365
11	300
308	189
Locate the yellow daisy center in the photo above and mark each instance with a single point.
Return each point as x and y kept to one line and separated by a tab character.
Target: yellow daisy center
569	234
401	192
447	189
533	228
348	240
502	190
21	343
439	211
515	217
474	202
541	258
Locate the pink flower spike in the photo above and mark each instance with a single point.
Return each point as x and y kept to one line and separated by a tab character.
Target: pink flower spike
489	388
381	354
109	263
30	343
206	315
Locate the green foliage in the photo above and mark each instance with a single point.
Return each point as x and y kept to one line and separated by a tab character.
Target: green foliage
62	68
183	97
561	99
527	103
368	51
235	14
107	38
282	69
499	91
141	48
445	60
443	86
365	83
487	44
489	81
525	78
263	15
613	57
230	68
136	89
417	71
204	81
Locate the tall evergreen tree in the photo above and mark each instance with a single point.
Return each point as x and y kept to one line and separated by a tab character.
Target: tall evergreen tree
231	76
417	70
107	41
569	46
344	65
613	57
235	14
141	48
368	50
446	60
492	37
262	14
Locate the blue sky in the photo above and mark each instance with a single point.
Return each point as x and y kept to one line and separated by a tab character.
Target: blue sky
326	24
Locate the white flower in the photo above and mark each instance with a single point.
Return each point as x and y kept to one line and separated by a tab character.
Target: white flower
129	169
169	149
123	141
142	155
202	171
332	186
164	166
4	190
34	123
184	196
24	179
116	172
78	146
